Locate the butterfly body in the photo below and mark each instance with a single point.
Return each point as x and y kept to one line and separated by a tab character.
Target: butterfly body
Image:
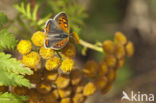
57	32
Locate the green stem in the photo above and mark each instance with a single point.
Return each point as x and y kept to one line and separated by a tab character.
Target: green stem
91	46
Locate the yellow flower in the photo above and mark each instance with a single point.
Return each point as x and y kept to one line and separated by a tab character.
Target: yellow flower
120	51
51	76
46	53
129	49
108	46
65	92
89	89
44	87
79	88
120	63
76	77
62	81
69	51
90	68
38	38
120	38
65	100
24	46
111	76
100	82
78	98
75	39
31	60
103	68
67	65
110	60
52	63
49	98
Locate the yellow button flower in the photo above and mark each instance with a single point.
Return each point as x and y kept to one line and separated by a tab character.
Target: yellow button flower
90	68
31	60
89	89
53	63
120	38
38	38
79	88
19	90
46	53
100	82
44	87
62	81
103	68
108	46
129	49
66	100
110	60
69	51
107	88
67	65
49	98
120	51
65	92
78	98
24	46
51	76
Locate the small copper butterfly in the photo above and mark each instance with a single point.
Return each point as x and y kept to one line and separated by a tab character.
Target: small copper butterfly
57	32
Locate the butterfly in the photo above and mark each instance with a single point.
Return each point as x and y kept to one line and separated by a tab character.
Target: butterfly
57	32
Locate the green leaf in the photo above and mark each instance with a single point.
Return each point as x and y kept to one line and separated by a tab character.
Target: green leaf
28	10
12	65
10	98
12	79
34	13
7	40
3	19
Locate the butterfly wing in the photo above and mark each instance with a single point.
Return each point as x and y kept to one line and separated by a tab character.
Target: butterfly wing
62	21
56	41
52	27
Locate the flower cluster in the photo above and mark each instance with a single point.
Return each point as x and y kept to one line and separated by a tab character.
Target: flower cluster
57	80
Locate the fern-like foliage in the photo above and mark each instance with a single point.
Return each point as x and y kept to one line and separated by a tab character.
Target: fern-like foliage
7	40
12	79
31	15
12	65
3	19
10	98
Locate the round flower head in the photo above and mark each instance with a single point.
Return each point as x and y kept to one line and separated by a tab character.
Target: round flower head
38	38
120	51
62	81
78	98
50	98
103	68
65	92
108	46
90	68
89	89
46	53
111	76
100	82
24	46
120	63
69	51
129	49
110	60
67	65
31	60
44	87
79	88
75	39
52	63
66	100
51	76
120	38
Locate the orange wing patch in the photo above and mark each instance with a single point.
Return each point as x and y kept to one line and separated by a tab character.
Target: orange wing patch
63	22
47	28
61	43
